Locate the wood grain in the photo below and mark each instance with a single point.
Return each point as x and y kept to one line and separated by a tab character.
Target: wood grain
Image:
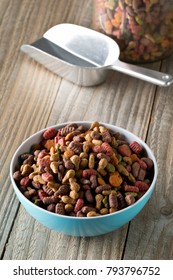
154	235
32	98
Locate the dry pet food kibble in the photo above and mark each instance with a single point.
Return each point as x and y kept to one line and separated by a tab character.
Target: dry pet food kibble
84	172
142	28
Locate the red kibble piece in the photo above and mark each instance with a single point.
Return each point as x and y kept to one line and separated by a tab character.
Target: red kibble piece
148	161
56	139
79	204
97	149
47	177
61	141
142	163
129	188
136	147
42	194
107	148
42	154
88	172
25	181
44	162
142	186
49	133
124	150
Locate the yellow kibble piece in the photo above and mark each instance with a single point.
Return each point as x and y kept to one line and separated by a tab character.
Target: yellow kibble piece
76	161
103	163
69	207
70	174
74	186
68	200
91	162
73	194
26	169
104	211
38	179
92	214
54	166
98	198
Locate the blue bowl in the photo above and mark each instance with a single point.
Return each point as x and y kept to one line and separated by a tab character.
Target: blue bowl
82	226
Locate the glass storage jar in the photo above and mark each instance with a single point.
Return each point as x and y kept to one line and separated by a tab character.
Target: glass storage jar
143	29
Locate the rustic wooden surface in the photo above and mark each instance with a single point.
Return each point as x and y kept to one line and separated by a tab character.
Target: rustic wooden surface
32	98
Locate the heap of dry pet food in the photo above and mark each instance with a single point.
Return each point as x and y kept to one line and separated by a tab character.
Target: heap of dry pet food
84	172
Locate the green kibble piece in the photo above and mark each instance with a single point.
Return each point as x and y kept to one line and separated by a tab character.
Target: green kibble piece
121	168
110	167
58	148
128	160
139	20
105	201
131	193
131	178
119	157
114	143
38	202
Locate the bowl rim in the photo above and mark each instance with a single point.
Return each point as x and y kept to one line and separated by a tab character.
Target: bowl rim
123	131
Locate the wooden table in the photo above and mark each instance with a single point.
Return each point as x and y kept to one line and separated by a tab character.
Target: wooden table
32	98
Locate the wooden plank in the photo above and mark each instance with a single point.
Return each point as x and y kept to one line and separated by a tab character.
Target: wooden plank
32	98
153	238
27	89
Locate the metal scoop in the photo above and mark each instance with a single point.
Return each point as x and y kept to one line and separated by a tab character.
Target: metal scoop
84	56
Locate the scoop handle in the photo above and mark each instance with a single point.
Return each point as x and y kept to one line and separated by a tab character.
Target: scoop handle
148	75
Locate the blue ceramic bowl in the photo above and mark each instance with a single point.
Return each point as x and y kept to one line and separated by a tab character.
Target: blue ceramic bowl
79	226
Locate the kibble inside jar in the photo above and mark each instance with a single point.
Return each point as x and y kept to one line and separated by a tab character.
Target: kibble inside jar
143	29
